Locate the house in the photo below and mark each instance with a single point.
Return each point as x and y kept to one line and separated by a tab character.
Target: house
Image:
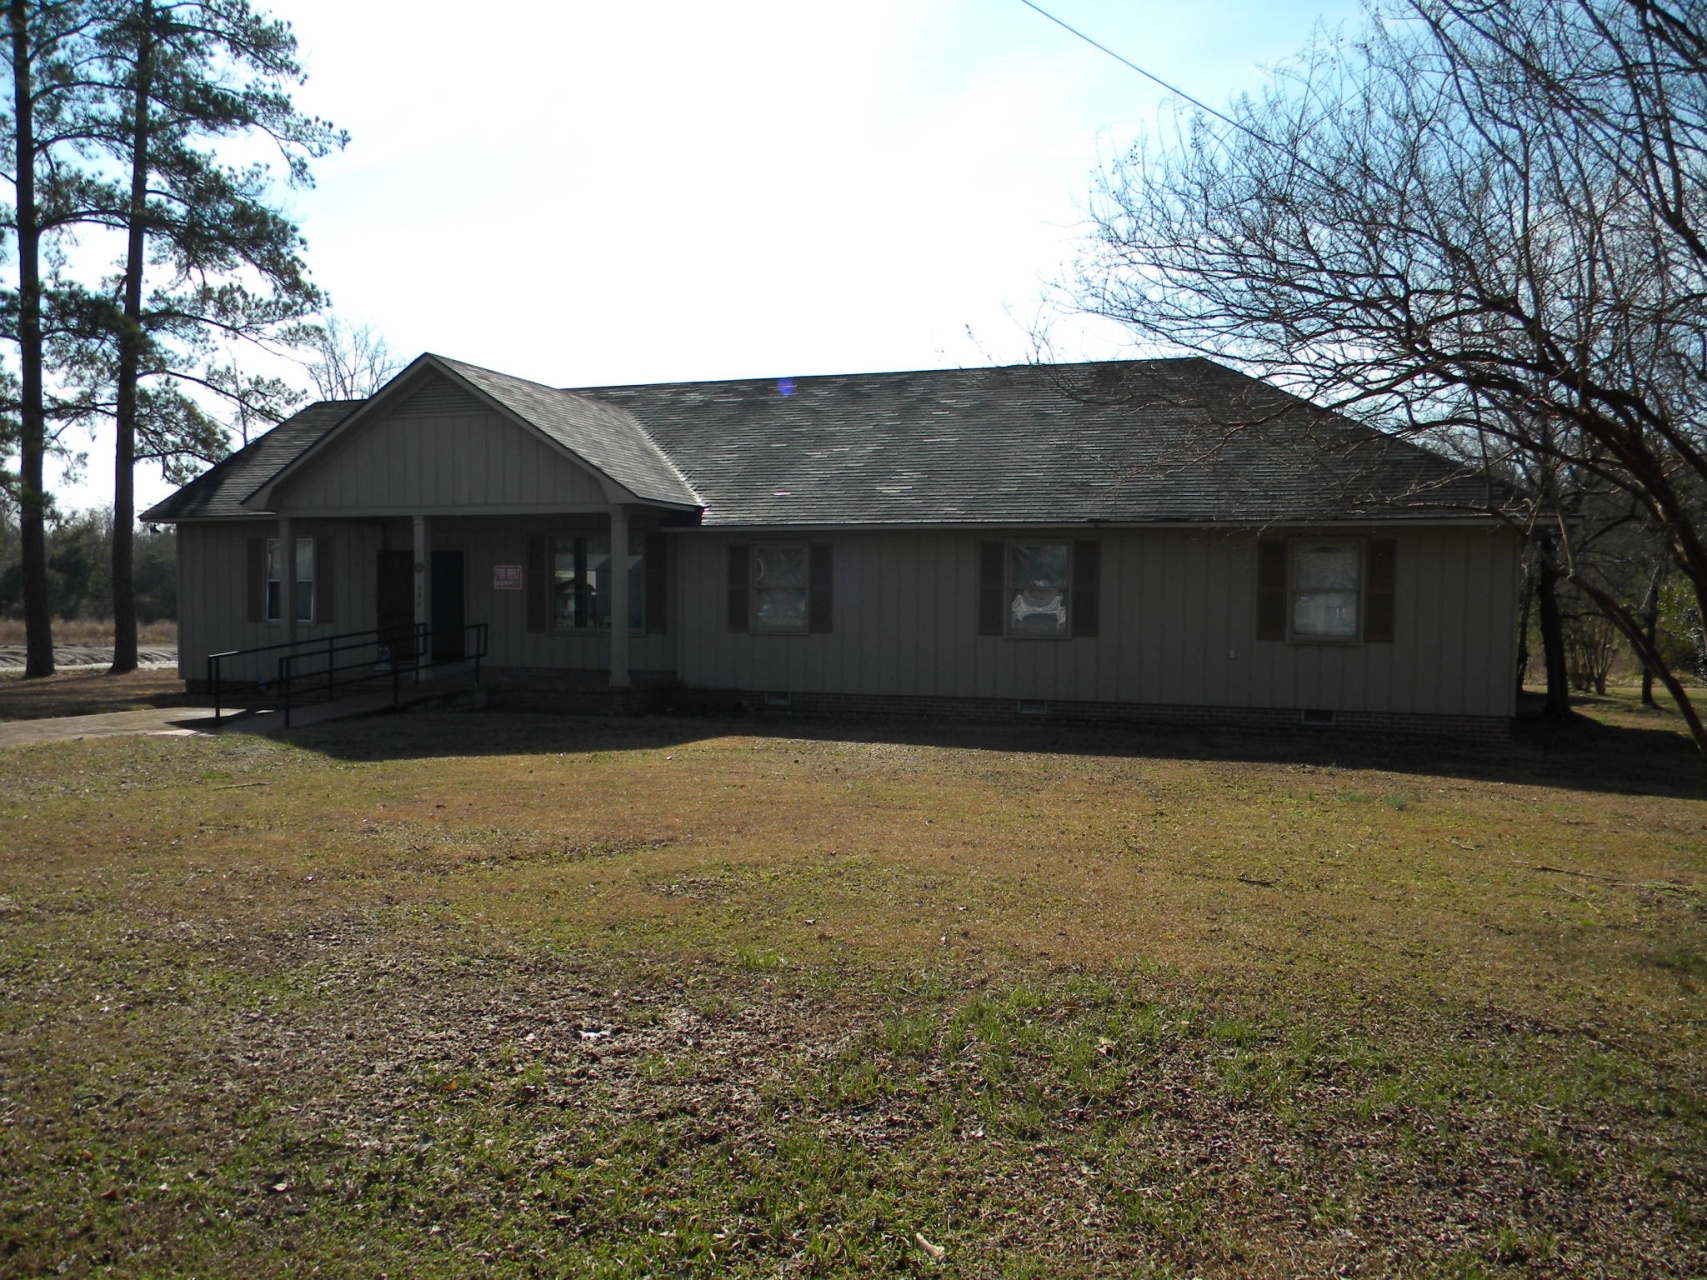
1160	540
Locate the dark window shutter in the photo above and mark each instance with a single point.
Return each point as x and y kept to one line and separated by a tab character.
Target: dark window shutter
820	600
322	581
991	588
1271	590
537	586
1086	603
737	586
1378	584
657	585
257	579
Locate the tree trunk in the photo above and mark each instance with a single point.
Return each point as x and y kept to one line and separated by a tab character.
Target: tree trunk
32	413
1631	626
1523	631
1558	704
130	358
1651	626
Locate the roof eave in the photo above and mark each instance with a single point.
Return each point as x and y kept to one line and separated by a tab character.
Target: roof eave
1437	520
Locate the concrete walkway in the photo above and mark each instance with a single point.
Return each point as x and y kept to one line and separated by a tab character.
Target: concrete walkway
169	721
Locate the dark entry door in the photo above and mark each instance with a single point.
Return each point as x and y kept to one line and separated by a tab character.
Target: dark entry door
447	605
396	597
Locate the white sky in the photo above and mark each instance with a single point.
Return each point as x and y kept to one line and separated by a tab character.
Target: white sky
591	193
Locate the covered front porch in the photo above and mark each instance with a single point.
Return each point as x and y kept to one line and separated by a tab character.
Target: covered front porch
582	593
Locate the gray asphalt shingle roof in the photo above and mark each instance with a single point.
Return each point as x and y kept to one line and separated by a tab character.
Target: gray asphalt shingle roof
1183	440
221	490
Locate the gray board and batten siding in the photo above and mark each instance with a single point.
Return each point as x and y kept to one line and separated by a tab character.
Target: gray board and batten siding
1174	469
1178	627
218	594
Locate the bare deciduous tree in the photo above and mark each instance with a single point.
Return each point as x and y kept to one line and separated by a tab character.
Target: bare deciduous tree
351	362
1486	222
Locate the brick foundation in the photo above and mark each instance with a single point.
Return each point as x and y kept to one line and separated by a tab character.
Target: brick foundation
652	693
1264	719
582	693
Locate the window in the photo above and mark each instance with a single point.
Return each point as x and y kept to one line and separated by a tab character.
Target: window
1037	581
1327	578
781	588
781	578
1045	589
581	584
272	606
1327	590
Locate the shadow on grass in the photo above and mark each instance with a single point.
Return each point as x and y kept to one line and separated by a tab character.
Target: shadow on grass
1590	753
90	691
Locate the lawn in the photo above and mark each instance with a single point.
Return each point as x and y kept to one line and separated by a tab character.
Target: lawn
87	693
470	993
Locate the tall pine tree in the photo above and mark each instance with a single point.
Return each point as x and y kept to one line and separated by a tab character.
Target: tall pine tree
180	76
47	51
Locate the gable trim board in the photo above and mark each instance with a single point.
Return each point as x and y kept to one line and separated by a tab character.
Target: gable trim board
904	494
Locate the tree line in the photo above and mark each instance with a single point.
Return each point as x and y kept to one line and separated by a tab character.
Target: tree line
1481	224
143	266
79	568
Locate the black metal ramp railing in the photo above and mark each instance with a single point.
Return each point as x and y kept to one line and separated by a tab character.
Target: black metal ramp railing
348	664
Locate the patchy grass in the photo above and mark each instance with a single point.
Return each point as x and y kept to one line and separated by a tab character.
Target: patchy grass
440	995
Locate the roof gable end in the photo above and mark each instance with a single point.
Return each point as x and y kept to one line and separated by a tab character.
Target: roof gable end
602	439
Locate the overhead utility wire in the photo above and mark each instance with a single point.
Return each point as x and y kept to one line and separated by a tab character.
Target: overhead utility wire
1127	62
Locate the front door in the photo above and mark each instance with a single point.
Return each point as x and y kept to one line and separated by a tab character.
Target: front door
447	605
396	597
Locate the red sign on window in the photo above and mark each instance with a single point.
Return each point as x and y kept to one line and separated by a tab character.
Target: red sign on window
506	577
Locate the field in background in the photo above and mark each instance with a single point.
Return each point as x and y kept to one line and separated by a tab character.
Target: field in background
446	994
90	632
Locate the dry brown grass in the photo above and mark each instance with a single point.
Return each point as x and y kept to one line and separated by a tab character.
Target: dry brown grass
1261	872
90	632
600	998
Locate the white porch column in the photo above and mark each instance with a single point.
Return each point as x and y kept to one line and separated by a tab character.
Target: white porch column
618	597
423	583
287	580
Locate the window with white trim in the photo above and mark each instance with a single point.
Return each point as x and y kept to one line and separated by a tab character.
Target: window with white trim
272	600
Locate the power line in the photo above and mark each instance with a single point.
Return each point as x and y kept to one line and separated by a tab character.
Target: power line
1127	62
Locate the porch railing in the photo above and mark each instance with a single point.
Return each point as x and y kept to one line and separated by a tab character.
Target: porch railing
349	663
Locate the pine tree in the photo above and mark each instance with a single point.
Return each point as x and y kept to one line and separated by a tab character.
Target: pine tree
47	46
179	77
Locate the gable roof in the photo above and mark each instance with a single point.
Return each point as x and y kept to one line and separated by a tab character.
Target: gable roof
1140	442
604	435
220	491
1175	440
601	437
